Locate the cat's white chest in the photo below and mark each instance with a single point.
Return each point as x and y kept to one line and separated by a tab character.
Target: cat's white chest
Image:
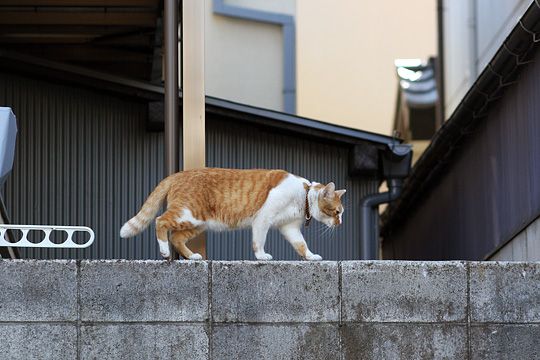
285	203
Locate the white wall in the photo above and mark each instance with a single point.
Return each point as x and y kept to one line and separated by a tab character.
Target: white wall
473	32
495	20
524	247
459	73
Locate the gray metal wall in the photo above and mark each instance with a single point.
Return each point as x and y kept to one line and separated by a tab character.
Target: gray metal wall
85	158
491	191
82	158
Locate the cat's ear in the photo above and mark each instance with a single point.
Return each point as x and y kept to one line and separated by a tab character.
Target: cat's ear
328	190
340	193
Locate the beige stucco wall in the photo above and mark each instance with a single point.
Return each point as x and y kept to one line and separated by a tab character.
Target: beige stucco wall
345	57
244	59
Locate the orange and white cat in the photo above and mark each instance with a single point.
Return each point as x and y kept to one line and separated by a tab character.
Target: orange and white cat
221	199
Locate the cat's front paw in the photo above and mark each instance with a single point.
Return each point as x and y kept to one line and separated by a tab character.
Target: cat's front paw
314	257
263	257
195	256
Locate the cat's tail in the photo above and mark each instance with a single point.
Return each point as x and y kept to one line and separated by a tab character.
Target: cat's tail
148	211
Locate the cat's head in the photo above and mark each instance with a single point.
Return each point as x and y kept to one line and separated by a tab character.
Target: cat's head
328	208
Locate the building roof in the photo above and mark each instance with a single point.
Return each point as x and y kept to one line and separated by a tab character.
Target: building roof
500	73
115	36
297	125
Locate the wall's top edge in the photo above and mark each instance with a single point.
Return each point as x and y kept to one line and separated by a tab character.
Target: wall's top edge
283	262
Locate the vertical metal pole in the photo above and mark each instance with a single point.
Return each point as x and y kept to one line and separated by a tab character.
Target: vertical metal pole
440	65
170	16
171	86
193	102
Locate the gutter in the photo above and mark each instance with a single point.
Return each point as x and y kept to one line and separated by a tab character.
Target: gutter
501	72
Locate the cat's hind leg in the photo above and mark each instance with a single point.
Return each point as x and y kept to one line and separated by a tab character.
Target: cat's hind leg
294	236
163	225
181	232
179	238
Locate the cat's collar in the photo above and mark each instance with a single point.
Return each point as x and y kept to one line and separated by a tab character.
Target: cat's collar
307	213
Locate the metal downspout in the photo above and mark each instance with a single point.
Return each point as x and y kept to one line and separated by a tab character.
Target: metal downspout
369	218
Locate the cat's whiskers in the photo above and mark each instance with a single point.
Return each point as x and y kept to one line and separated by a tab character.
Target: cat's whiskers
327	230
321	228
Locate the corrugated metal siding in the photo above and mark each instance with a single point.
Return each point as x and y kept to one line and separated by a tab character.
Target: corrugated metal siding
492	190
85	158
82	158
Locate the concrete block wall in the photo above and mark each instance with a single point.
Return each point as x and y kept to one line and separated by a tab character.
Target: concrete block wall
269	310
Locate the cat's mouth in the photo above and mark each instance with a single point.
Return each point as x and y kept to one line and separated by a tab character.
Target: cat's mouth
329	223
332	223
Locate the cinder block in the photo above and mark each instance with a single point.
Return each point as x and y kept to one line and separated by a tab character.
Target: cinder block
38	290
403	341
504	341
277	291
144	341
144	291
38	341
505	292
275	341
404	291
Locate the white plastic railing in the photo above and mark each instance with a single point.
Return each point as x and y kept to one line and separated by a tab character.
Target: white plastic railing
46	242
